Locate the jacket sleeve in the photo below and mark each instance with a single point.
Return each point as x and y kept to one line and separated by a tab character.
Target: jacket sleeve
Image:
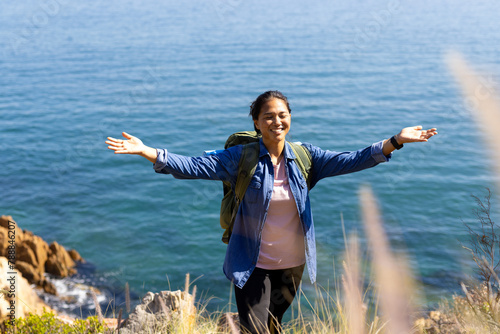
331	163
221	166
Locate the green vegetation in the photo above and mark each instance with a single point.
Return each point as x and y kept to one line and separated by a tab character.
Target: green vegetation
48	323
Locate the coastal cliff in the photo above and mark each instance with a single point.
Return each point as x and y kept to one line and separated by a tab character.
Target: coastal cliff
25	259
34	257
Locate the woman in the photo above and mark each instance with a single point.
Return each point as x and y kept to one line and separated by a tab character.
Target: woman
273	233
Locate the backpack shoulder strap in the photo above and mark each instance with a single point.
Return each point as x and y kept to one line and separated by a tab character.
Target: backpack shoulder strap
304	161
232	199
246	169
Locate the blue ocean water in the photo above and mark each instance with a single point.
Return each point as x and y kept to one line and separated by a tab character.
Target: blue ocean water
182	75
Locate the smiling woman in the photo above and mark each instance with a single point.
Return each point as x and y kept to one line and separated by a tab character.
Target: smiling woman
272	117
273	233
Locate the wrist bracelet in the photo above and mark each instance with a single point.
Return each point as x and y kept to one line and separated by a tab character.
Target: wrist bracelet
394	143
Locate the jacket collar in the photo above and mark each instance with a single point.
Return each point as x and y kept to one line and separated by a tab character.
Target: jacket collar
289	155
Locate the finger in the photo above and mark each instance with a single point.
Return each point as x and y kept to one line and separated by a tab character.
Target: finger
114	144
418	127
126	135
114	139
115	148
122	151
429	135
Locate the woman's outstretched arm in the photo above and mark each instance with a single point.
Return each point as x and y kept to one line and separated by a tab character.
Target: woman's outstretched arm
409	135
222	166
132	145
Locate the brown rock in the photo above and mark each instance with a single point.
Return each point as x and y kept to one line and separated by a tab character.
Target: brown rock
59	262
48	287
61	254
25	253
68	299
28	272
75	256
39	247
16	234
33	251
155	309
4	222
55	267
4	238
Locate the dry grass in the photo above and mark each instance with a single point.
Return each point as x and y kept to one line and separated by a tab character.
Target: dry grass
391	275
481	100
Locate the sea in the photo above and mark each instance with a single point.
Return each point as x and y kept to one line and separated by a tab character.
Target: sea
181	76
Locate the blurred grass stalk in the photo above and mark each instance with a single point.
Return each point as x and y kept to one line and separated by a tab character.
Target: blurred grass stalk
391	275
355	309
480	98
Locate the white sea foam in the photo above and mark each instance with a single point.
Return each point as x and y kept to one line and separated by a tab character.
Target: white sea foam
74	296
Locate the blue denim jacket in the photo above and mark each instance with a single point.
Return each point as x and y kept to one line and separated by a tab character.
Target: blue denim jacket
243	249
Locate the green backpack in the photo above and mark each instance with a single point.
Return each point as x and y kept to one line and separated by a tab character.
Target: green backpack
246	168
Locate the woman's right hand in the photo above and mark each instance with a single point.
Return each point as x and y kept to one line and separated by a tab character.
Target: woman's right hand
132	145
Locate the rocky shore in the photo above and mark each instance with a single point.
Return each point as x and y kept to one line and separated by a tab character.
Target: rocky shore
33	258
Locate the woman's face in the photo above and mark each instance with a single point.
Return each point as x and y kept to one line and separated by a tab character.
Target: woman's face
274	121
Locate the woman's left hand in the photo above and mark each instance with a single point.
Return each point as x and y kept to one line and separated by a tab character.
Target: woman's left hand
411	134
415	134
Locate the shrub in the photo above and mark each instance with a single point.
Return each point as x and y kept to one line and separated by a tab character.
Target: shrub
49	323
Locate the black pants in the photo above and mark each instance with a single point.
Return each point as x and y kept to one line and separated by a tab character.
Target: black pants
265	298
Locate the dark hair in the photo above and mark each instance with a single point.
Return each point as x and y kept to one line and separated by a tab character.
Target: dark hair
263	98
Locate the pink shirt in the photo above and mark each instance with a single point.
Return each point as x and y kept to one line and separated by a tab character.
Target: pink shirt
282	244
